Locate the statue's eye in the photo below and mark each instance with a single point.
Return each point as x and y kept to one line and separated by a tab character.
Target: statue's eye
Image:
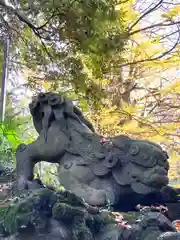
134	150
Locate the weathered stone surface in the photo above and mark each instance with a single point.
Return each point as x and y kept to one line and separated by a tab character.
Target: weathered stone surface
115	171
112	171
46	214
169	236
173	211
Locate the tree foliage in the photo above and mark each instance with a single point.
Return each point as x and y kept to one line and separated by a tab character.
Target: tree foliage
12	133
143	94
53	37
119	58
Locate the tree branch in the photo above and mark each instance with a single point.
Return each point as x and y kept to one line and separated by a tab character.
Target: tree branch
44	25
171	3
155	58
160	24
18	14
145	14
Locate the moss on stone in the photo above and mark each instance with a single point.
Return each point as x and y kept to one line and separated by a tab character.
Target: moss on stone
65	211
26	211
80	230
35	209
105	218
14	217
131	217
70	198
99	221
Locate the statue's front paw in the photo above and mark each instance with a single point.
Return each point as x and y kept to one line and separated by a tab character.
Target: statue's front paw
97	198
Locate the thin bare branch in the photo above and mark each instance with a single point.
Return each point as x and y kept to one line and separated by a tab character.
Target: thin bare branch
160	24
150	10
155	58
45	24
18	14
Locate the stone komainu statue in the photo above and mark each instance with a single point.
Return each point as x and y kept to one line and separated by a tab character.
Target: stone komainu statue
120	170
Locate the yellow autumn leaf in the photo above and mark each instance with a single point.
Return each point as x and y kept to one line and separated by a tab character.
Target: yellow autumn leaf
174	157
130	109
174	11
158	138
45	84
132	127
111	120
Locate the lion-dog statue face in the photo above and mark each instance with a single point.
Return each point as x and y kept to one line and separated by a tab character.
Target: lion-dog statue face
141	165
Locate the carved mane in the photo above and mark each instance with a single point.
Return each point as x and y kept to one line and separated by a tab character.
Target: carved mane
48	107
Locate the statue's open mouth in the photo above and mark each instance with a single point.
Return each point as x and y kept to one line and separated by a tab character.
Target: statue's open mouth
151	185
157	177
151	181
158	180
